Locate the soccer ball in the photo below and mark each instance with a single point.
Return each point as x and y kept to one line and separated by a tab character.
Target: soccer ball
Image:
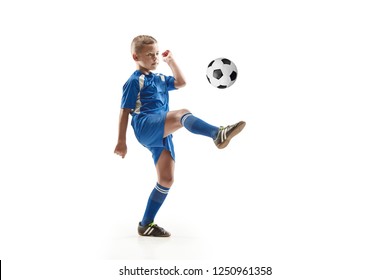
221	73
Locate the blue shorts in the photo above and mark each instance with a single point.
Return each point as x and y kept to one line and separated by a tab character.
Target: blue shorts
149	131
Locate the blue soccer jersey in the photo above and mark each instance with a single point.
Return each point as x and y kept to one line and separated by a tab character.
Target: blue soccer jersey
147	93
147	96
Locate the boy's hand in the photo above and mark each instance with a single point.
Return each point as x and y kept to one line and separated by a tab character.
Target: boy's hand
177	74
167	56
121	149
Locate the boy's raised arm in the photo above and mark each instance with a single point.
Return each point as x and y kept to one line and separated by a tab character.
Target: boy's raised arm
177	74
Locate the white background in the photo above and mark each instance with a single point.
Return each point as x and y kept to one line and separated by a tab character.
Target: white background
303	189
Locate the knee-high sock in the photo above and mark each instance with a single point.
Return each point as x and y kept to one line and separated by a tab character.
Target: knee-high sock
198	126
155	201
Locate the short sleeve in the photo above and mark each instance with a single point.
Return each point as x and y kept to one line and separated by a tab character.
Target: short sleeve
170	82
130	94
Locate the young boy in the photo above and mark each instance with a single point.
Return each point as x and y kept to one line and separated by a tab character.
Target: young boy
145	98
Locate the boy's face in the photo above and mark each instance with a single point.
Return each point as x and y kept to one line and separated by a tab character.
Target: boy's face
147	60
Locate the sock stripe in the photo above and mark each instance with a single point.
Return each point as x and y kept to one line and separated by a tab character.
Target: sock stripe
184	117
161	189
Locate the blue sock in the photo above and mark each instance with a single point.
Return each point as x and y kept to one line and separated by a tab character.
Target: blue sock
197	126
155	201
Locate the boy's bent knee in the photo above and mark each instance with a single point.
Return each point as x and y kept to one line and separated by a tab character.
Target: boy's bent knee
182	112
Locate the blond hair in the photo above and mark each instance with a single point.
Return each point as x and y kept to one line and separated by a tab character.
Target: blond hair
138	43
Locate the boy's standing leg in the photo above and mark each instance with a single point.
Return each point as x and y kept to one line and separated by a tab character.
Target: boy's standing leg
165	168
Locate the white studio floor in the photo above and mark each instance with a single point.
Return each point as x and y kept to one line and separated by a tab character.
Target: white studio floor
133	247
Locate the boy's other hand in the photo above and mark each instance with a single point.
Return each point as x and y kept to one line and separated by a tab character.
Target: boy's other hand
121	149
